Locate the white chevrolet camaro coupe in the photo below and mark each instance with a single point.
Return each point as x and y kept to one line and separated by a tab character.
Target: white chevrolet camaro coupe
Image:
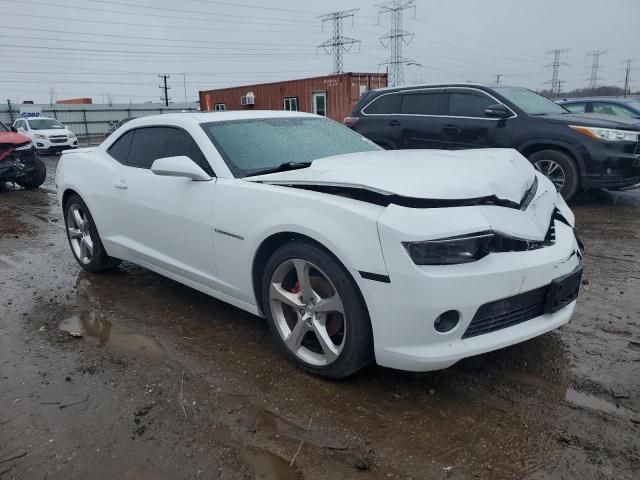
414	259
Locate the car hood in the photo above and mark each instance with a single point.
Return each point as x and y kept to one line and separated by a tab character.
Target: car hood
12	138
53	131
9	141
420	174
594	120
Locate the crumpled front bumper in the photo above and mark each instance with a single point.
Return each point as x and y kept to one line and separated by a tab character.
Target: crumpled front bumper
17	165
403	312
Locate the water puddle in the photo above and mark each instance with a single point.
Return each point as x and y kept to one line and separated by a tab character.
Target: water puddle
274	423
265	465
570	395
90	324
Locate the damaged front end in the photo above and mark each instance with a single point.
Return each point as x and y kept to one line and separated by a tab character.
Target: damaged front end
19	164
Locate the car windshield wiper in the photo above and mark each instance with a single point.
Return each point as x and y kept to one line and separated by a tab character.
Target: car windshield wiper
283	167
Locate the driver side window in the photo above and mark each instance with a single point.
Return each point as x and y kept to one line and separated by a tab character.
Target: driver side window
141	147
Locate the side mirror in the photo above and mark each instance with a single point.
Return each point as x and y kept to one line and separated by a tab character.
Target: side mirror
14	129
497	111
180	166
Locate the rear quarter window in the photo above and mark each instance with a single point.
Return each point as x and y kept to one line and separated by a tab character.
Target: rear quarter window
120	148
384	105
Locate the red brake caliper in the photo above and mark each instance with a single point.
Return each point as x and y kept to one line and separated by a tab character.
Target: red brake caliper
295	290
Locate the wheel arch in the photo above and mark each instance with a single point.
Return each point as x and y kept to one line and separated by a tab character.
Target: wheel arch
534	146
270	244
67	193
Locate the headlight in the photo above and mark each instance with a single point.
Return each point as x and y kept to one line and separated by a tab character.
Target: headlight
72	135
608	134
450	251
40	136
28	146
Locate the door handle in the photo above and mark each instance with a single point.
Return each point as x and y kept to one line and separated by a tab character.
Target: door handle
121	184
394	123
452	129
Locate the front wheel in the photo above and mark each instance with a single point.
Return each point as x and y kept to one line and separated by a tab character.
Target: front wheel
83	237
36	177
560	168
316	311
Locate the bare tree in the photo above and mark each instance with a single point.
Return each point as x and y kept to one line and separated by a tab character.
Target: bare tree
109	99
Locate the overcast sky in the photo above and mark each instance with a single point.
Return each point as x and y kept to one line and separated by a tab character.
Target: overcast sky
98	48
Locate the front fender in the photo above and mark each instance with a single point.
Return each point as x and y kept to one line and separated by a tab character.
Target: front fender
347	228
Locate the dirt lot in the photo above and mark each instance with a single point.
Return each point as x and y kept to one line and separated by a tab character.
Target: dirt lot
169	383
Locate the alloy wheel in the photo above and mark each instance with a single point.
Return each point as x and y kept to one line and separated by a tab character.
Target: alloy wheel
553	171
308	312
79	234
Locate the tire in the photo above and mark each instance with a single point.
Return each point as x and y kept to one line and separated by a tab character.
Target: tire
84	239
37	177
560	165
349	332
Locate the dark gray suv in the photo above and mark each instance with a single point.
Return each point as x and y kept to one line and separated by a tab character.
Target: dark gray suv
574	150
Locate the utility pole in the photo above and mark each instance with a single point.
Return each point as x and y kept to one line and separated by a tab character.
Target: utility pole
498	78
627	77
396	38
338	45
184	82
556	83
165	89
595	65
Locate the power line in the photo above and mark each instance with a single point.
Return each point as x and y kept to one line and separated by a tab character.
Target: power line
556	83
396	38
338	45
165	89
595	65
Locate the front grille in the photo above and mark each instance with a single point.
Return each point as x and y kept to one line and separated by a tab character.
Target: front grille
58	139
500	314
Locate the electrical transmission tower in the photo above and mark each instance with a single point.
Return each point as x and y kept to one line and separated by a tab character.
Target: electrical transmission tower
627	77
338	45
396	38
165	89
556	83
595	65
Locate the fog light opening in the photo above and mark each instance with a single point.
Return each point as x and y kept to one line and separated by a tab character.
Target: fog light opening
447	321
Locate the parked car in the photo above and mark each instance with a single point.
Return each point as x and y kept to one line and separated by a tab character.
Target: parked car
352	253
624	107
18	160
117	125
47	134
574	151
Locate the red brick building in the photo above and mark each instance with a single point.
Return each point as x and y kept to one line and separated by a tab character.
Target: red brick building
332	96
76	101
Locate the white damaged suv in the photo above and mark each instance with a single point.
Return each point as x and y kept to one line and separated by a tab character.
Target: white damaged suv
47	134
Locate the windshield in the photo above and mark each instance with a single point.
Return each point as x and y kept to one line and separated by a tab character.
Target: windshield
530	102
634	104
44	124
252	146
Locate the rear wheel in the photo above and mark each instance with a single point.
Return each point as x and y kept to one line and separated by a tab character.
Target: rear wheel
83	237
316	311
560	168
36	177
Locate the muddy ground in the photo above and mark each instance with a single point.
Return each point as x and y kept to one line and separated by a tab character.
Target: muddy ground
169	383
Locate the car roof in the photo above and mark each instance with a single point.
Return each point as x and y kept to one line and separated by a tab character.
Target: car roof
206	117
621	101
431	85
38	118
